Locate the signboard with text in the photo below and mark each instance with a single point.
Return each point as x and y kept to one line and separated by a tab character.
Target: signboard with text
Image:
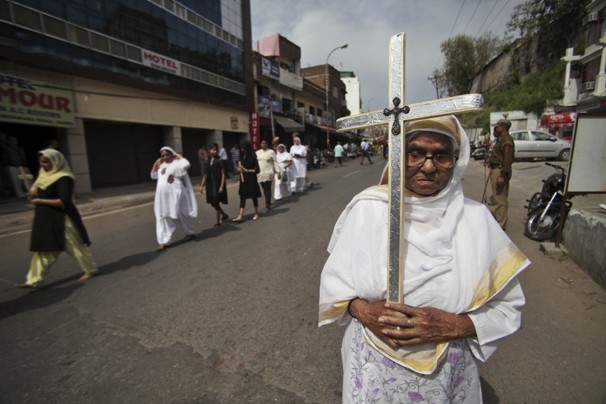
270	68
30	102
255	136
159	62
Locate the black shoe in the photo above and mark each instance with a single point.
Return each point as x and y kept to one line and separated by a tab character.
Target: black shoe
224	217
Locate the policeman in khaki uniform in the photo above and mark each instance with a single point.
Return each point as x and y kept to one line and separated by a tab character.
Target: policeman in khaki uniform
500	162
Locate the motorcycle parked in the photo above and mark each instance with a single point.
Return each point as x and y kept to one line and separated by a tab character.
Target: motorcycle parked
480	153
545	207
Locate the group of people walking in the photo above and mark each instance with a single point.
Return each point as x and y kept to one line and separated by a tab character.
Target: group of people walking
266	173
58	226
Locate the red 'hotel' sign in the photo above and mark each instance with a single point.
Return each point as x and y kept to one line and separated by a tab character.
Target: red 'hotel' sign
33	103
160	62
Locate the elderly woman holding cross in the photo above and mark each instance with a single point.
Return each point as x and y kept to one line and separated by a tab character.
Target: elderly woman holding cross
459	305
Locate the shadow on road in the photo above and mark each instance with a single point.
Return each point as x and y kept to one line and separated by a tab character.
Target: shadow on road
40	298
489	395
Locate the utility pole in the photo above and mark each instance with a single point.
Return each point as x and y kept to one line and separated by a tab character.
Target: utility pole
435	81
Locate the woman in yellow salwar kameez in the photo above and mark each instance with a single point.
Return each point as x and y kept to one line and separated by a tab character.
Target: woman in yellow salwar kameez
57	223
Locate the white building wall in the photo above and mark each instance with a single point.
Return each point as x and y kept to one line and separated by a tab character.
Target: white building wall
352	85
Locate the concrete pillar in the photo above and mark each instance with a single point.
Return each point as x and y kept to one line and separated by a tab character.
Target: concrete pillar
171	135
600	80
215	136
78	157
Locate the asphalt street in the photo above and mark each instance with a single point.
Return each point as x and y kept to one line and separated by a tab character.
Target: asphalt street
232	316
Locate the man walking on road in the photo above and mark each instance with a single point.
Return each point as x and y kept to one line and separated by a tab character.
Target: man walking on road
500	162
364	146
338	154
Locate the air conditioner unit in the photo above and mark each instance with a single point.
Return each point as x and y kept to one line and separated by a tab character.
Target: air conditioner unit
592	17
588	86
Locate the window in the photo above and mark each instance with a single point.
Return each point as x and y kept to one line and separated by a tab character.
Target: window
78	35
118	48
520	136
99	42
26	17
54	27
541	136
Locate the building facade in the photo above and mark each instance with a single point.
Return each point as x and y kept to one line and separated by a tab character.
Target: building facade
293	100
113	81
585	81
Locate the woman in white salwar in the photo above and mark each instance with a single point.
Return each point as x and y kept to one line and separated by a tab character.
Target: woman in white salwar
282	182
461	291
174	199
299	167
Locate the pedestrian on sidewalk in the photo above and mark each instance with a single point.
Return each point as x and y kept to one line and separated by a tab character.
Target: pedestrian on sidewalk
268	167
174	198
249	186
202	157
57	223
214	184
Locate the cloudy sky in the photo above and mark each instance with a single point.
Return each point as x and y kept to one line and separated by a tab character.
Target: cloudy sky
318	26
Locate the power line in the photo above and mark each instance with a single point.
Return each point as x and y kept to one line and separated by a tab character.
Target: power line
495	17
486	19
456	19
472	15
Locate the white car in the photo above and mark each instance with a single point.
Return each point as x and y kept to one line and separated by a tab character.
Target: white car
532	144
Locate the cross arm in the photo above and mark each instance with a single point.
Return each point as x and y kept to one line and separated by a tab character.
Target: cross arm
443	106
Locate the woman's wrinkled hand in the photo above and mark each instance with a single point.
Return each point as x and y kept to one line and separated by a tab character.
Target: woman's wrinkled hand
414	325
369	314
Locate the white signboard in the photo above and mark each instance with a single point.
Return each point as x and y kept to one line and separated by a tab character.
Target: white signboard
587	170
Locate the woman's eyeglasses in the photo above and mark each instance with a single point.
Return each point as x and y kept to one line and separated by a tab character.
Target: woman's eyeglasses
417	159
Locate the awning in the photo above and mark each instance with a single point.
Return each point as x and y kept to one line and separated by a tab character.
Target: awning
564	118
322	127
288	124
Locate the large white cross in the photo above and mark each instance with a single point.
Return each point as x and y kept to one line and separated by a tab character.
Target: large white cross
395	118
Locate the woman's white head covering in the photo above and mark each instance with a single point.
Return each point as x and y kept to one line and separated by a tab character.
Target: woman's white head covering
168	149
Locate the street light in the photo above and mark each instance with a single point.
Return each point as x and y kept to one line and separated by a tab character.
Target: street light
327	84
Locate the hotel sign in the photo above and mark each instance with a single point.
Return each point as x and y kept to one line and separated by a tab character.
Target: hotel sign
159	62
30	102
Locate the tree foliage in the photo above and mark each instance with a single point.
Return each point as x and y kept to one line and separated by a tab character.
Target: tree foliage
464	56
556	23
534	94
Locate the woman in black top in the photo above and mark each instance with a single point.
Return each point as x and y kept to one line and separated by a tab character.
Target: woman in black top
248	169
57	223
213	181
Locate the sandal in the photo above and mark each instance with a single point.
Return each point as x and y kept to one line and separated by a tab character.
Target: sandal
162	247
217	225
256	217
224	217
25	286
236	220
189	237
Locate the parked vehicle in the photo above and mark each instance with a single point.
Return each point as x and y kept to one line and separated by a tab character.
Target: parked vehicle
545	207
480	153
532	144
552	184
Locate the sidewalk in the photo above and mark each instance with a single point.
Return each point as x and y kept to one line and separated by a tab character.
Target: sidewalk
17	214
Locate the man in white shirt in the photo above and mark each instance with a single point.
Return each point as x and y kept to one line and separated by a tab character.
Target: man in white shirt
364	146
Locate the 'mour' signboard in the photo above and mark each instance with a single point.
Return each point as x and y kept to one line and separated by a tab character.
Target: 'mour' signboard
33	103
